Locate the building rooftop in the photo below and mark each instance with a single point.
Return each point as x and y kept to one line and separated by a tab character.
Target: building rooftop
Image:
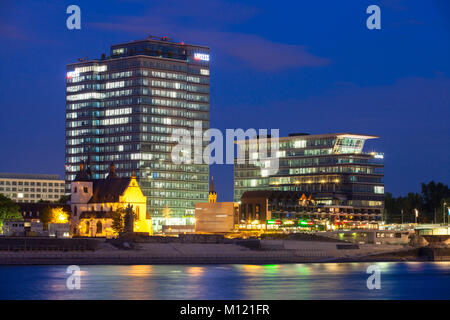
152	46
28	176
295	136
156	39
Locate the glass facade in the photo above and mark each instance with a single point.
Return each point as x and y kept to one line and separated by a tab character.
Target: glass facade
123	109
332	168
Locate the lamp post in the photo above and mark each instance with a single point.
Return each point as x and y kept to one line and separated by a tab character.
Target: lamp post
416	214
443	213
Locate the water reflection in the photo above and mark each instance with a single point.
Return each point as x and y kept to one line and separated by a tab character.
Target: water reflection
195	271
422	280
140	270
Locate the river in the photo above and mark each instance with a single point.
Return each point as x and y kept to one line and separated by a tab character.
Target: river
399	280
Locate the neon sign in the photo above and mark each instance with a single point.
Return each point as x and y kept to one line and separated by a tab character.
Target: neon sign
73	74
201	56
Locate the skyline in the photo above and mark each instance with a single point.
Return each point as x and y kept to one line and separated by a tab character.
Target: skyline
395	78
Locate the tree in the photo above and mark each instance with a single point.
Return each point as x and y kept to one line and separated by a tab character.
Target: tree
167	213
442	214
63	199
53	215
118	220
433	193
8	210
430	204
391	207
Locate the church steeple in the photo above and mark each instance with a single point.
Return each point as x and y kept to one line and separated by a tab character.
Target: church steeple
82	175
112	171
212	197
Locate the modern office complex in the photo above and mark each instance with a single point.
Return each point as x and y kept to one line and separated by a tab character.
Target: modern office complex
123	108
29	188
329	175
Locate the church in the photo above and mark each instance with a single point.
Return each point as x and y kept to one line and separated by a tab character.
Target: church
94	202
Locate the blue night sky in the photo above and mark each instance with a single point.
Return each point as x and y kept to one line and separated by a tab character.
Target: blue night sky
300	66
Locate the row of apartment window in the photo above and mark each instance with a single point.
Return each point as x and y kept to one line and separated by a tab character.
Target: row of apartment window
139	101
122	156
327	160
29	183
103	140
97	113
142	72
154	194
108	158
22	189
125	111
172	203
139	64
294	144
139	82
314	170
182	122
363	188
274	181
38	196
150	172
101	171
103	131
174	185
95	95
170	166
103	149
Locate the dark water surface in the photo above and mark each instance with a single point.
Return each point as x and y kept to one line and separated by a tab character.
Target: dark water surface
399	280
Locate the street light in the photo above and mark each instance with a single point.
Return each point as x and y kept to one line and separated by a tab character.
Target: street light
416	214
443	213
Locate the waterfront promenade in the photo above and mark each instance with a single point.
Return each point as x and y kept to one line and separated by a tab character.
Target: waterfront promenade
270	251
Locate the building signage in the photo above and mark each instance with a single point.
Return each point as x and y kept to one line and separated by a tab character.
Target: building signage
201	56
72	74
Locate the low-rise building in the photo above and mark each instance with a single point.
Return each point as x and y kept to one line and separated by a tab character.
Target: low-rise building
34	211
275	209
373	236
59	230
29	188
13	228
215	217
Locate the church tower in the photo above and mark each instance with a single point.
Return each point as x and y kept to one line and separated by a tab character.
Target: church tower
212	197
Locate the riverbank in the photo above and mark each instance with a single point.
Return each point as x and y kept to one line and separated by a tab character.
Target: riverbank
270	252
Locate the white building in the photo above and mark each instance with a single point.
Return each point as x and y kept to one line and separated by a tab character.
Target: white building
13	228
28	188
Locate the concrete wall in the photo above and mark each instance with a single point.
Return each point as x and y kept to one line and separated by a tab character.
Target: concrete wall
372	236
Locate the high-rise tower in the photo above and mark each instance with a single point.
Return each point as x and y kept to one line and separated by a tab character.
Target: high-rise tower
123	108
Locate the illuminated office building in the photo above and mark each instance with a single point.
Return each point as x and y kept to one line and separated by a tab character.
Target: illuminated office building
123	108
345	182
